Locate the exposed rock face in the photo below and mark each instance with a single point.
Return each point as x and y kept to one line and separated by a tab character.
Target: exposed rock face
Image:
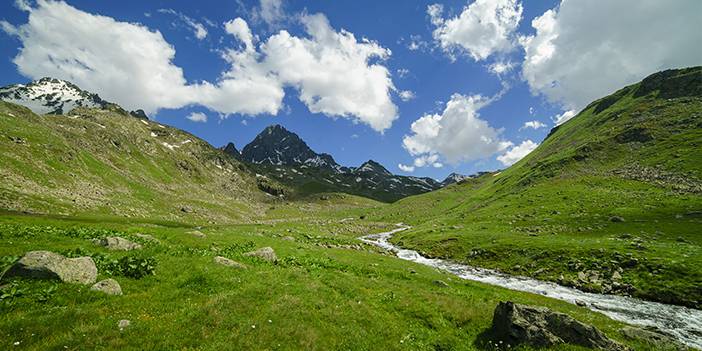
116	243
231	150
108	286
516	324
50	265
265	253
229	263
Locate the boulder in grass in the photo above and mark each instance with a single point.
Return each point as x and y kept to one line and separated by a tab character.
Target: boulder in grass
229	263
514	324
107	286
264	253
116	243
50	265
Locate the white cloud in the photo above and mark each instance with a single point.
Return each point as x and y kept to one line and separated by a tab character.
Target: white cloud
198	29
584	50
500	68
416	43
334	73
563	117
270	11
426	160
8	28
457	134
405	168
406	95
197	117
533	125
437	164
518	152
483	28
402	72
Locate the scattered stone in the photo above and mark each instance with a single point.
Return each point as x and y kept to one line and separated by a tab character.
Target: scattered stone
265	253
197	233
229	263
116	243
580	303
652	336
50	265
288	238
186	209
123	324
616	276
108	286
515	324
616	219
440	284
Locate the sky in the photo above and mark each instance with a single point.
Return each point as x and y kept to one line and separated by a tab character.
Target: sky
426	88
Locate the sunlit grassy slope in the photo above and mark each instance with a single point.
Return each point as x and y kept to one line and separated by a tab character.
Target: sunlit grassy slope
617	186
101	162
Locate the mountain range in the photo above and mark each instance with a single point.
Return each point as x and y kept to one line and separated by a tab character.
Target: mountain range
275	154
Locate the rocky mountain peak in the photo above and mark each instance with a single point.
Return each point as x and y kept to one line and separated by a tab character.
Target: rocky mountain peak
51	96
371	166
276	145
231	150
454	178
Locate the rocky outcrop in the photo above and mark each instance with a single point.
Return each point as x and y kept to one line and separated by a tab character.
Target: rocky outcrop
50	265
107	286
229	263
514	324
116	243
264	253
653	337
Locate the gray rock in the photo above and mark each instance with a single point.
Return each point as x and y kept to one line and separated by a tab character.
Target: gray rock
107	286
123	324
653	337
516	324
265	253
288	238
50	265
616	219
229	263
116	243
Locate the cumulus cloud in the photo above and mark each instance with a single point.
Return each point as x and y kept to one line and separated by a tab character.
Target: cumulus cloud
563	117
583	50
334	73
533	125
197	28
405	168
457	134
483	28
499	68
406	95
516	153
197	117
269	11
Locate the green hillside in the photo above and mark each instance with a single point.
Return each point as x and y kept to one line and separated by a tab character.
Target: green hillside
618	188
106	162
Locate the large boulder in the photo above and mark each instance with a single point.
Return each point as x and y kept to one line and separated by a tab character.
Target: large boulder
264	253
229	263
116	243
50	265
653	337
516	324
107	286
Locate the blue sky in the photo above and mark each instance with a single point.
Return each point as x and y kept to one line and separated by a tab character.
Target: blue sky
547	77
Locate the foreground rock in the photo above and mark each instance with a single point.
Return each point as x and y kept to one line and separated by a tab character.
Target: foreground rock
116	243
147	237
264	253
107	286
516	324
197	233
123	324
229	263
50	265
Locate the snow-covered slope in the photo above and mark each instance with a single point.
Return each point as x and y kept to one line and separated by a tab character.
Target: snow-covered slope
50	96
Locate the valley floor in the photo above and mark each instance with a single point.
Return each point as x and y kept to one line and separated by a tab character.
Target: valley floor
326	291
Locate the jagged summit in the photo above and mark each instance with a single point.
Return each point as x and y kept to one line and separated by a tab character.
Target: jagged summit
276	145
231	150
56	96
371	166
454	178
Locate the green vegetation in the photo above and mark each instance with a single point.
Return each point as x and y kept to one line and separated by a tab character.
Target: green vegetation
617	188
317	296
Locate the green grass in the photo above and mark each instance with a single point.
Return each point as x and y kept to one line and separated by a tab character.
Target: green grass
634	154
314	297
